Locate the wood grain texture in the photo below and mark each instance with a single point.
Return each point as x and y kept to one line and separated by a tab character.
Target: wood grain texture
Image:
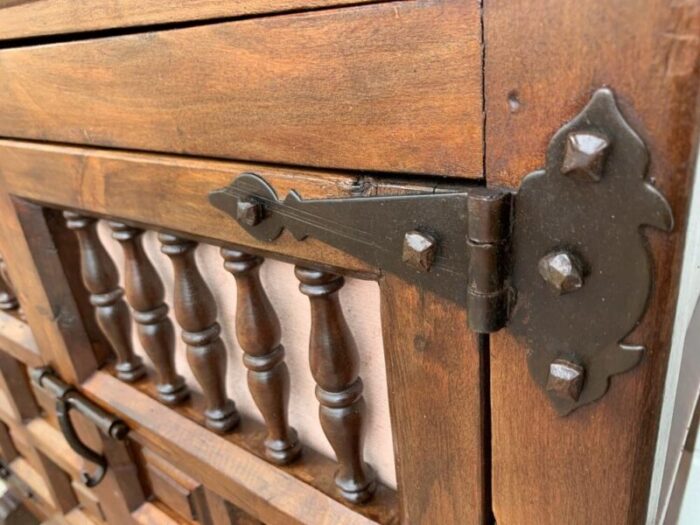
334	363
38	272
196	312
51	310
16	339
593	466
259	334
385	87
269	493
25	18
151	514
433	368
179	492
313	468
15	382
122	185
146	296
101	279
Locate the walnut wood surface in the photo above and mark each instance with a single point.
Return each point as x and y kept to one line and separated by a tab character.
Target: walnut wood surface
101	279
195	311
390	87
270	493
17	340
146	296
123	185
334	363
593	466
37	267
25	18
434	376
39	274
15	382
258	332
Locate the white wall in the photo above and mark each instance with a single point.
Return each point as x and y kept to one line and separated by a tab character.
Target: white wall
683	376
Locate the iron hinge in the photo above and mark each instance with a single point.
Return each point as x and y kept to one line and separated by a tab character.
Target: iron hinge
561	262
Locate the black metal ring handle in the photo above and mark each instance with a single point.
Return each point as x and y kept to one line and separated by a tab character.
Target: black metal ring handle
63	407
68	398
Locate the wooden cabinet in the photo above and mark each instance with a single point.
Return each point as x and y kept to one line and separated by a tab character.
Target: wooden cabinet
119	121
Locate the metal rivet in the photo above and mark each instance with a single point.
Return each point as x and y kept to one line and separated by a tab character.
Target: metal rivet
565	379
585	156
249	212
419	250
562	271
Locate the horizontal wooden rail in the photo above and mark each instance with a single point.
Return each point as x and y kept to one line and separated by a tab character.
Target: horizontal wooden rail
28	18
130	187
270	493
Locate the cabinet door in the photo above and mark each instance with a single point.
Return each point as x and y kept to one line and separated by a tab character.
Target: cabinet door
594	465
151	229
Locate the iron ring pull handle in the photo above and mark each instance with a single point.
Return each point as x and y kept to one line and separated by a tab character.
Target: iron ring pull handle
68	398
63	407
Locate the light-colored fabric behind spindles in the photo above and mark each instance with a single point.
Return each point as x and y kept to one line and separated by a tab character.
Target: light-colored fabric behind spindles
360	301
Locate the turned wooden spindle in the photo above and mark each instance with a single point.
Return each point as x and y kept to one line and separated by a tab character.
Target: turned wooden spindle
8	298
195	311
334	365
101	279
258	333
146	296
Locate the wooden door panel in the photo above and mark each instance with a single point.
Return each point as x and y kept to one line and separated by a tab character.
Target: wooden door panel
593	466
390	87
97	182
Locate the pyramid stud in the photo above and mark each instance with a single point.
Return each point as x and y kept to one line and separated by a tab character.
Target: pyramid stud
562	271
419	250
584	156
565	379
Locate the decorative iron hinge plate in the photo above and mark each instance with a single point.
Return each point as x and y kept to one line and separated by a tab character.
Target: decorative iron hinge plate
561	263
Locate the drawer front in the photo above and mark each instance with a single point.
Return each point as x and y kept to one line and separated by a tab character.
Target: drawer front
392	87
26	18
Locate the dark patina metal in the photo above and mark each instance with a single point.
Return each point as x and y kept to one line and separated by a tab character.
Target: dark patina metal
68	398
562	262
597	220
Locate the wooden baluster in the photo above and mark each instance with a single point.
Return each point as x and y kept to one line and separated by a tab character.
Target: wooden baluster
101	279
195	311
334	365
8	298
146	296
258	332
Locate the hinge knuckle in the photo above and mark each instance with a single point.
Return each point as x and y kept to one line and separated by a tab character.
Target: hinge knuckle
488	235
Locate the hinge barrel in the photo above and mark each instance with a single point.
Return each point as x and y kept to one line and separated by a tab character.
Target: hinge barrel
488	236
